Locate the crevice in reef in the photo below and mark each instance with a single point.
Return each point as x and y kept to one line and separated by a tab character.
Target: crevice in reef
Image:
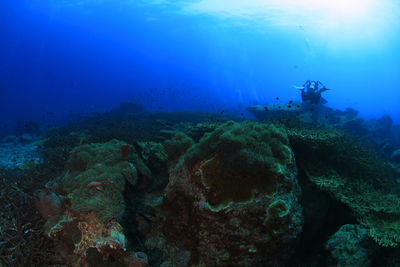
138	217
132	198
323	216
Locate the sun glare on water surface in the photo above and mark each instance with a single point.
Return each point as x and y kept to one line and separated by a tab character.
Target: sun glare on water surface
347	21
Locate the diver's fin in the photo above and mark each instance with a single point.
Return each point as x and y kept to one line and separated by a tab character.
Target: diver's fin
323	101
323	89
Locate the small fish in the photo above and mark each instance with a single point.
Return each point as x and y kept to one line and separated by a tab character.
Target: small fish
291	102
277	98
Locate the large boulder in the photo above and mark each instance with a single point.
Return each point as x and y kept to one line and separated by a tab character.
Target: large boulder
232	200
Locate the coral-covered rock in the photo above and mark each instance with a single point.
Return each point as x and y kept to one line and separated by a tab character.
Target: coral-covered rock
177	144
84	224
108	238
84	240
96	177
48	203
350	246
232	200
355	175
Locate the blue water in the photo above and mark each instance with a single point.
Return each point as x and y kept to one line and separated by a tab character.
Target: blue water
59	58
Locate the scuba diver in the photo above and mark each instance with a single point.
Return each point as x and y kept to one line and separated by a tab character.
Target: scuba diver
311	92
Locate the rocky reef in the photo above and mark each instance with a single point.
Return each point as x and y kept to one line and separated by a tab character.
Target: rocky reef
382	132
350	246
209	193
82	207
354	175
232	200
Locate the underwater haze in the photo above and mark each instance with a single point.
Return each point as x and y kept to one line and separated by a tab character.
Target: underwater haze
167	133
81	56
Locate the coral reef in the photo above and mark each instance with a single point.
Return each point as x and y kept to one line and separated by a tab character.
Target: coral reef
48	203
96	176
187	189
22	242
350	246
84	240
353	174
130	127
232	199
381	133
86	230
177	144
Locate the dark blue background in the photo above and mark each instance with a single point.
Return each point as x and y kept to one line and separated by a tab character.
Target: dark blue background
65	58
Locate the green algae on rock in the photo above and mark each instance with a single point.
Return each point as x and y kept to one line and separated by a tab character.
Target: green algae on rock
177	144
239	160
225	186
92	190
219	195
96	177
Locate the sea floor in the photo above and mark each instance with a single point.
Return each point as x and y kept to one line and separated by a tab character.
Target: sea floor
15	152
